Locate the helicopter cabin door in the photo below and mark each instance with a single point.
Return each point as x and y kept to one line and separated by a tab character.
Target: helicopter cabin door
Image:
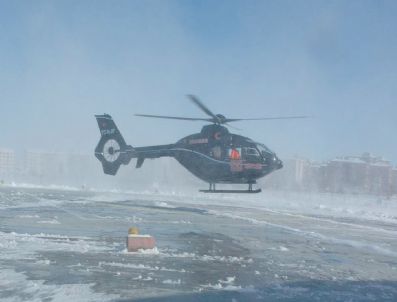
236	162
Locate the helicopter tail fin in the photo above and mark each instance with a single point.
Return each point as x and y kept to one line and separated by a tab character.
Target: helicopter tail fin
112	150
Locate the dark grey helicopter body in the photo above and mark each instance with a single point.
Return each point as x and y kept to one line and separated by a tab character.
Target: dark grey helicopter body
214	155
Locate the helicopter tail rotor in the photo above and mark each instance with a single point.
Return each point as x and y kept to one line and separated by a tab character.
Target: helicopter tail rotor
112	150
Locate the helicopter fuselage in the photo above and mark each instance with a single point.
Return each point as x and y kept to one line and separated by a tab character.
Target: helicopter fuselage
214	155
217	156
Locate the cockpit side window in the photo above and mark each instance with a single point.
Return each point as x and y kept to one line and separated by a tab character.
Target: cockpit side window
251	154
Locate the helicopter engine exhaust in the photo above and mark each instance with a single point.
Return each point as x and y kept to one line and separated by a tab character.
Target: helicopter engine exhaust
111	151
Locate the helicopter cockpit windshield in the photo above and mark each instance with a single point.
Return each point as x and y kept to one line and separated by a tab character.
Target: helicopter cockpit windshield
265	151
249	151
251	154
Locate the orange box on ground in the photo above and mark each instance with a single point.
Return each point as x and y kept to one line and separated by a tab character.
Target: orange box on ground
136	242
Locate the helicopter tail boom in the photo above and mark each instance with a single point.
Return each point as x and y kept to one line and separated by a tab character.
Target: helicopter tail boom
112	150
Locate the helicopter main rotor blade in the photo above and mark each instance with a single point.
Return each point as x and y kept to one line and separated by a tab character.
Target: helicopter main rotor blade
228	120
199	104
230	126
175	117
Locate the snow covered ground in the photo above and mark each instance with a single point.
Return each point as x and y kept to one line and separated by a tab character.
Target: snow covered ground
60	244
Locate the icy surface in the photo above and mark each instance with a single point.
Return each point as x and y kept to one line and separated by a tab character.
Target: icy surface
65	245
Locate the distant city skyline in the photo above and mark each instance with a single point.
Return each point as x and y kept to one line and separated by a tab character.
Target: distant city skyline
61	62
363	174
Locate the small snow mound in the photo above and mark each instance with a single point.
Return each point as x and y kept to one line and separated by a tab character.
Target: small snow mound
50	221
44	262
220	286
153	251
229	280
28	216
172	282
163	204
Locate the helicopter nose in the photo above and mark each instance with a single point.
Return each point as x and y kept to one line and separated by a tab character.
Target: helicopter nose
277	163
280	164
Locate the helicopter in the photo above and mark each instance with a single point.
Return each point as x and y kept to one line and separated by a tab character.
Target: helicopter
214	155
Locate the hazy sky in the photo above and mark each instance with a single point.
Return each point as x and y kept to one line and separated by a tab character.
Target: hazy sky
61	62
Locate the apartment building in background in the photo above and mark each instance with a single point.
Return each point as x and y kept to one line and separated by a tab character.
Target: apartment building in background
7	164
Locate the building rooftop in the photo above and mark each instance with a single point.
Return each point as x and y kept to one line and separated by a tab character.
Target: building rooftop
355	160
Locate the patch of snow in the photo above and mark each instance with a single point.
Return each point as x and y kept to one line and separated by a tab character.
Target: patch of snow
28	216
50	221
153	251
139	267
16	246
24	289
219	286
44	187
163	204
172	282
353	243
229	280
45	262
208	258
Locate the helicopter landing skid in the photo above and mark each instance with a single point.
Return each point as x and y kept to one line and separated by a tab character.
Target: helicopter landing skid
231	191
213	190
